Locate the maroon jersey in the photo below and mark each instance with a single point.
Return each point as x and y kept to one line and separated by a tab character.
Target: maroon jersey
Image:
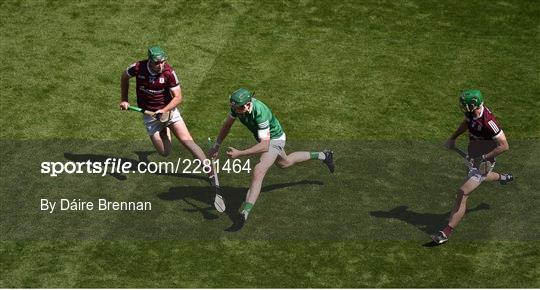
482	133
153	90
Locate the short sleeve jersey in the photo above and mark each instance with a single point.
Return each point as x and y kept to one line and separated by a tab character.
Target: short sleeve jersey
482	133
260	118
153	90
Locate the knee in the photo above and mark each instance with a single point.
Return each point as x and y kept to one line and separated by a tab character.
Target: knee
462	195
259	170
283	163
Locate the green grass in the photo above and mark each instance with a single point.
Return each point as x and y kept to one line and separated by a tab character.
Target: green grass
375	80
266	264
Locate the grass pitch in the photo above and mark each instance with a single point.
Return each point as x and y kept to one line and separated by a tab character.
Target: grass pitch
377	81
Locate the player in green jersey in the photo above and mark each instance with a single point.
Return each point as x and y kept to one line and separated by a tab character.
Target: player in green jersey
266	129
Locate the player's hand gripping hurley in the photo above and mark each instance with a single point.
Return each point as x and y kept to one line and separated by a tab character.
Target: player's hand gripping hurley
483	166
162	117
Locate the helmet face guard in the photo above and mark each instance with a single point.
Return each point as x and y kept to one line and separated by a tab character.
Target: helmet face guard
468	108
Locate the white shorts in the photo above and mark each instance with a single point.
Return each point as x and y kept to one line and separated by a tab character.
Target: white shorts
474	173
277	145
154	125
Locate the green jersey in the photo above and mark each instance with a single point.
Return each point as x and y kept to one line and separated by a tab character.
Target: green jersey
260	119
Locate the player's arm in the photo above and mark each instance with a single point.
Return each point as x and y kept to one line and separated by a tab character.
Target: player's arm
502	145
462	128
259	148
176	94
124	89
223	132
263	134
173	83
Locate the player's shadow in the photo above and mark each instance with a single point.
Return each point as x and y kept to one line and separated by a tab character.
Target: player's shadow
426	222
233	196
142	158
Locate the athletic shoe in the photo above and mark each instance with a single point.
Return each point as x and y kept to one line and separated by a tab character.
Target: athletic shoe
238	223
329	159
242	217
508	177
439	238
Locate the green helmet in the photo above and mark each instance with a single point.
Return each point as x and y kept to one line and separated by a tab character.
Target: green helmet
241	97
471	100
156	54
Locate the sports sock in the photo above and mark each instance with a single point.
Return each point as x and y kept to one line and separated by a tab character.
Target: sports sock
448	230
502	176
317	155
247	207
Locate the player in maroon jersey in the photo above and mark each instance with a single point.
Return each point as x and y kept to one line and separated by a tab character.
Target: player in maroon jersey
158	89
486	141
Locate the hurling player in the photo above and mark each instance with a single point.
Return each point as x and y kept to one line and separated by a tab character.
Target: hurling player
158	89
266	129
486	141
